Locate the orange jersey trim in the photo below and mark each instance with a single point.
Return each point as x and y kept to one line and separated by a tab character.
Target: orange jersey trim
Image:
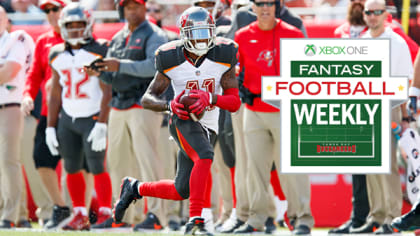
169	69
223	64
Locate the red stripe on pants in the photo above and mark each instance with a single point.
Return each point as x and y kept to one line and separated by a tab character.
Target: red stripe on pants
232	182
187	147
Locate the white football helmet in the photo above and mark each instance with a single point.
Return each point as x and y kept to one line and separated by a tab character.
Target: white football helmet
74	12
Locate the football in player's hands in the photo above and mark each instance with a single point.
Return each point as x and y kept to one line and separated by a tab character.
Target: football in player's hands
187	101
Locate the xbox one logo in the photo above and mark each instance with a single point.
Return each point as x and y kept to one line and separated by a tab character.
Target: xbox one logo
310	50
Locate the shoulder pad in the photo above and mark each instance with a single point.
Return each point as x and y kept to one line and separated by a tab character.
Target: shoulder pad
55	51
225	51
169	55
98	46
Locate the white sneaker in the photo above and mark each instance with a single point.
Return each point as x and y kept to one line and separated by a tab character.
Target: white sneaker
281	208
229	223
207	214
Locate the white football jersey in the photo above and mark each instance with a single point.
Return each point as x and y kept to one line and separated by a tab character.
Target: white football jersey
81	94
171	61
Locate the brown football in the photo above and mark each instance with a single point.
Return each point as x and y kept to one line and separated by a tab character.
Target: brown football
187	101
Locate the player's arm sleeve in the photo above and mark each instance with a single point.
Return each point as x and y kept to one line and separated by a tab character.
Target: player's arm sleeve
36	73
230	99
144	68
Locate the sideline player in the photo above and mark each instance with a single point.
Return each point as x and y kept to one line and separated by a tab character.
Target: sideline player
82	102
204	65
45	162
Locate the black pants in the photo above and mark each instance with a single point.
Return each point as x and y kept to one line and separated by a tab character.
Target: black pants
42	155
360	200
226	139
73	145
195	142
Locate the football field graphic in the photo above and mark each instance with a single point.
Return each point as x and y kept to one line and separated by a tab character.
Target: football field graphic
335	98
348	142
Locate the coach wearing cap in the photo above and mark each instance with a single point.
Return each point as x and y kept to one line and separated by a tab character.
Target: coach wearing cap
133	131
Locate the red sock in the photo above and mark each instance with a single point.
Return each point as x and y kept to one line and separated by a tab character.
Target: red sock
232	182
207	196
161	189
103	189
198	180
275	183
77	188
94	204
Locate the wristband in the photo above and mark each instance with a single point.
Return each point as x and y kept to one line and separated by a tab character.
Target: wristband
413	92
406	119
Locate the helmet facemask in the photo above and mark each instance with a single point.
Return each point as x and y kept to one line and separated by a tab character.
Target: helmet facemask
197	30
198	39
75	35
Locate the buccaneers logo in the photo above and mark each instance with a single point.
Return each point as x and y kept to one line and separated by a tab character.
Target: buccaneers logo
267	56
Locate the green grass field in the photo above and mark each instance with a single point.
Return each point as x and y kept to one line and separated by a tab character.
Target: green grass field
280	232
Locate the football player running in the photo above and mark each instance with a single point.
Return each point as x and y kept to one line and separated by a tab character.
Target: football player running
203	65
78	107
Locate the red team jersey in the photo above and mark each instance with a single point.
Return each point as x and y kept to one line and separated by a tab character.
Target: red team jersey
259	53
40	71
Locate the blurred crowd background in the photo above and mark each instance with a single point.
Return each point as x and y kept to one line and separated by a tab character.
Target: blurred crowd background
26	12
